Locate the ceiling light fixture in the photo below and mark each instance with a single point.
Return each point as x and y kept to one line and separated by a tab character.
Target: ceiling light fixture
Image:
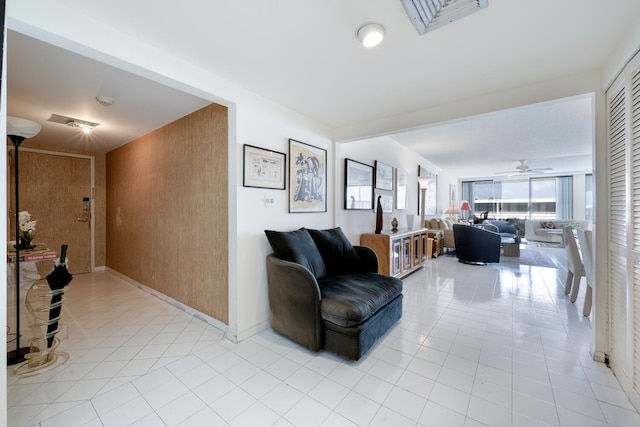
86	127
105	101
370	34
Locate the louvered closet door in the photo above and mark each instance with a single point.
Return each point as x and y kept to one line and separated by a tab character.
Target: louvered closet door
624	228
617	277
635	211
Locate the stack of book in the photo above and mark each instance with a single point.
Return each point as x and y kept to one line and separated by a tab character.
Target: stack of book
39	253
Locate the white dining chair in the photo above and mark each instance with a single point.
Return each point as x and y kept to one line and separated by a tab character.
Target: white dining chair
575	268
585	237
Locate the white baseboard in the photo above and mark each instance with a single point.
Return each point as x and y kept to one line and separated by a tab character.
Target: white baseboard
181	306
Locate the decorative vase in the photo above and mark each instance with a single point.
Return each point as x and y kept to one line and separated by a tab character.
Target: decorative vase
410	219
379	216
24	243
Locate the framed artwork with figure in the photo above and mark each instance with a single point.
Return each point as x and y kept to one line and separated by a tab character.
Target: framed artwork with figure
307	178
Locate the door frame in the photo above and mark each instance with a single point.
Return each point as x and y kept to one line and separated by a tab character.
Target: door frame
92	160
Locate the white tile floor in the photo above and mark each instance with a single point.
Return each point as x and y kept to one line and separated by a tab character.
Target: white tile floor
476	346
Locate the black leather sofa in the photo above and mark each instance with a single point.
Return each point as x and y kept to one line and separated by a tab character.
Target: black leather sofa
326	293
475	245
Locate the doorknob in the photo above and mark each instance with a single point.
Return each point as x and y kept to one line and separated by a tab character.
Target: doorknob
83	219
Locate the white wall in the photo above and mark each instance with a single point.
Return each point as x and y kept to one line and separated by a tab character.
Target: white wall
252	120
269	129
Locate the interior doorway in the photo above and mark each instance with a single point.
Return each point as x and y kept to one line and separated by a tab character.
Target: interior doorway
57	189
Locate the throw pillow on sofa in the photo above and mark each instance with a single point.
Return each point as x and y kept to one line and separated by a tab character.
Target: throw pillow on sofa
336	250
297	246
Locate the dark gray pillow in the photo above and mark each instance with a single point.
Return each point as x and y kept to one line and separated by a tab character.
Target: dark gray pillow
297	246
338	253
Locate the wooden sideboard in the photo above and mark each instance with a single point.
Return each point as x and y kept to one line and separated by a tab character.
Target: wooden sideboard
401	252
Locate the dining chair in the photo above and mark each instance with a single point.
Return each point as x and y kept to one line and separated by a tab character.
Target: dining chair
575	268
585	237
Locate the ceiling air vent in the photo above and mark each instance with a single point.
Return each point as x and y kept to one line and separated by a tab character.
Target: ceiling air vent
428	15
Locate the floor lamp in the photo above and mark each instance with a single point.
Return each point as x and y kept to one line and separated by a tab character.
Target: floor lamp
423	182
18	130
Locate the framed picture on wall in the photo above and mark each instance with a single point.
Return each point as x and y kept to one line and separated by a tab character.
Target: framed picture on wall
402	181
453	197
263	168
384	176
431	194
386	201
358	185
307	178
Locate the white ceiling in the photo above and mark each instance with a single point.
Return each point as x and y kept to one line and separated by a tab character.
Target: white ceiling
305	56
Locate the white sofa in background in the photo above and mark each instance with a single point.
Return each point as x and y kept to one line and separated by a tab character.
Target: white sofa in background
534	230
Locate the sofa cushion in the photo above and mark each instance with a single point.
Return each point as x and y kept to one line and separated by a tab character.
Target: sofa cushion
337	252
297	246
350	299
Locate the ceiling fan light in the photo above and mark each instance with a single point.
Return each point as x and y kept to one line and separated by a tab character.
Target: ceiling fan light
370	34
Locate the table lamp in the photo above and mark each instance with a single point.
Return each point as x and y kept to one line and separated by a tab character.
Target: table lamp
452	211
465	207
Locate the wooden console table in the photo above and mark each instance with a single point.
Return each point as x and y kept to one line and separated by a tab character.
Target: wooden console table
401	252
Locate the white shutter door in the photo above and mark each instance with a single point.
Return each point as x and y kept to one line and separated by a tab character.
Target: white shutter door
623	158
617	277
634	394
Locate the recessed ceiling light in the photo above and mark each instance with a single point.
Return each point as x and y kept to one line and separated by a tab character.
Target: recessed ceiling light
370	34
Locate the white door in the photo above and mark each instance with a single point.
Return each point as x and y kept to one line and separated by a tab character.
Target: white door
623	158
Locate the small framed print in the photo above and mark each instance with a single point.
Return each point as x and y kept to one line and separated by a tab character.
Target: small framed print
263	168
384	176
358	185
307	178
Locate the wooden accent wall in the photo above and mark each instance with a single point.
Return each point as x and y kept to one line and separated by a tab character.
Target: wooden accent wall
167	207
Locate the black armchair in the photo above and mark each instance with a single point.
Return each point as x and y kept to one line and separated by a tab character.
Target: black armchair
475	245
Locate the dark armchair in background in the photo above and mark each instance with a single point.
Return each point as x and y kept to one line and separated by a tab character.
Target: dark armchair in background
475	245
503	228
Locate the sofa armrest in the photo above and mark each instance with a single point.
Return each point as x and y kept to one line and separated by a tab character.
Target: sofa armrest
369	259
490	227
294	302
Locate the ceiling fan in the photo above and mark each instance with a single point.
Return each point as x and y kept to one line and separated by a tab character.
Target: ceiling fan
524	168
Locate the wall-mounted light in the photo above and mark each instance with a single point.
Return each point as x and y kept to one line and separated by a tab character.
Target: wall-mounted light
370	34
